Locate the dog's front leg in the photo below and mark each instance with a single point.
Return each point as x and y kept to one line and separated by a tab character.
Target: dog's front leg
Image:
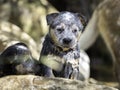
68	70
71	72
46	71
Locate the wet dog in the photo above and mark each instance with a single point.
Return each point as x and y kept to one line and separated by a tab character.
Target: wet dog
60	55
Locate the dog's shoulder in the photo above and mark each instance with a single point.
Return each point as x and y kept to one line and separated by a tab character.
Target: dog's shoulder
47	47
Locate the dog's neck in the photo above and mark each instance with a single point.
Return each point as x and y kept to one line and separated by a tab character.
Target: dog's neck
50	48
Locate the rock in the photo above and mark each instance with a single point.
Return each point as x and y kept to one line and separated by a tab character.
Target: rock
31	82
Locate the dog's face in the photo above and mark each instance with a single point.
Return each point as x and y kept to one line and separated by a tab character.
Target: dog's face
65	28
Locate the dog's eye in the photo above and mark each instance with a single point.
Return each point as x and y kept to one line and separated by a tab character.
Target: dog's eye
60	29
75	30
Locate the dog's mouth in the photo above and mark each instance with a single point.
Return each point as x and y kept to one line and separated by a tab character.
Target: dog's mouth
72	44
66	47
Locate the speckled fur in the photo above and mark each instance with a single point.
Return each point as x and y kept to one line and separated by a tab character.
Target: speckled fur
53	44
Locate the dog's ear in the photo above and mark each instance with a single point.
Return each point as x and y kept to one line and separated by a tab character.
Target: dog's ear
82	18
51	17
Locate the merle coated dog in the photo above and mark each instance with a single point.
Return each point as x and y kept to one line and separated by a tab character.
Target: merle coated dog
17	59
60	53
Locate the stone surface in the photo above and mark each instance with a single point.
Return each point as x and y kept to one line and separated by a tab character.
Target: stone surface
30	82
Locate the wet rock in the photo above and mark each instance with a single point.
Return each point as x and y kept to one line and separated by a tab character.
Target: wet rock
30	82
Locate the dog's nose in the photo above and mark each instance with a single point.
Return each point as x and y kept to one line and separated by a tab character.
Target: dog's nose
67	40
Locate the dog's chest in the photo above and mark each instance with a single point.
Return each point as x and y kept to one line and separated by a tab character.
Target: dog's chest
70	58
72	55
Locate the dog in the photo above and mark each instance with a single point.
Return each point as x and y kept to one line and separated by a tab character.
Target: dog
60	55
17	60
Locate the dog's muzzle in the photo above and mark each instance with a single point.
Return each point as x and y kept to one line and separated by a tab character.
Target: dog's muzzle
67	41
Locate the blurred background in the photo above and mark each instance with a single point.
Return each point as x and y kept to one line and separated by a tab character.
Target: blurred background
25	20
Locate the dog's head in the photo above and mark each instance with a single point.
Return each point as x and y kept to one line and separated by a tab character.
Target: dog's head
65	28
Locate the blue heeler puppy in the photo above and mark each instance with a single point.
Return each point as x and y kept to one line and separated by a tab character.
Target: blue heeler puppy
60	55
